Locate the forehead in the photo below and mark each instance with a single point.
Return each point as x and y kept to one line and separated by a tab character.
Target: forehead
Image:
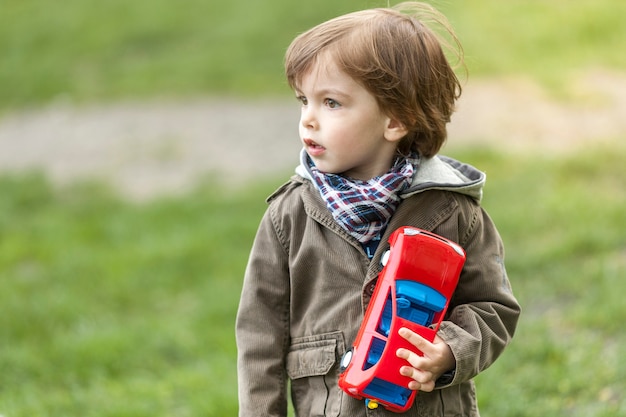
324	74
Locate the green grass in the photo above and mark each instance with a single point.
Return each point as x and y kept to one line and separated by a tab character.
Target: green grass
562	220
85	51
114	309
549	41
111	308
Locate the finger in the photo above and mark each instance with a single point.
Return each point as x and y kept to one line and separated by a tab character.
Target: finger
418	375
416	386
416	340
427	387
417	361
422	380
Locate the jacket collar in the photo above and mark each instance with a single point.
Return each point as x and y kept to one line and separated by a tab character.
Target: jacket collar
436	173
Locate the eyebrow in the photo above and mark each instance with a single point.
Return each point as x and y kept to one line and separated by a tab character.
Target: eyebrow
327	92
332	92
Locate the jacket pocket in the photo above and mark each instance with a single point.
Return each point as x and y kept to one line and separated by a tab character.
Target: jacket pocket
312	366
459	400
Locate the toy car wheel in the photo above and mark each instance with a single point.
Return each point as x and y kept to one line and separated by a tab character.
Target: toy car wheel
346	359
385	258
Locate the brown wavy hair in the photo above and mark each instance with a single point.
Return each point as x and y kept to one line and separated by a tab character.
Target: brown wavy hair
398	58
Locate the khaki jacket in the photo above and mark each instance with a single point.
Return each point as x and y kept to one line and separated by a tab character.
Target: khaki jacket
308	282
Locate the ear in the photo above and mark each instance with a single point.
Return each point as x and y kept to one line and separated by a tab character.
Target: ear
394	130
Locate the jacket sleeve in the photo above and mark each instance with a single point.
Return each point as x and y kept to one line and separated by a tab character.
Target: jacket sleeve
262	327
483	312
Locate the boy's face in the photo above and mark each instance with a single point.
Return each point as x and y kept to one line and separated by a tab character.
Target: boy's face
342	127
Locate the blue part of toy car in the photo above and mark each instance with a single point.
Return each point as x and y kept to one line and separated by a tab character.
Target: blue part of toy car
374	353
385	319
414	302
387	391
417	302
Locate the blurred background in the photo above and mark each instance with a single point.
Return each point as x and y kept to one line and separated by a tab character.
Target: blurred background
138	141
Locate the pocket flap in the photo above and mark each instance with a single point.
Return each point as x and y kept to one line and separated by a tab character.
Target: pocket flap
311	358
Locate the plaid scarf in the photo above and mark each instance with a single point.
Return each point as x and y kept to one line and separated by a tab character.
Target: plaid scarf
363	208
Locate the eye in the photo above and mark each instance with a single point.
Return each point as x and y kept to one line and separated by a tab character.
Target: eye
332	104
303	100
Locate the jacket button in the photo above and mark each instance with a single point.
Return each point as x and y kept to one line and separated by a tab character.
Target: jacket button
370	289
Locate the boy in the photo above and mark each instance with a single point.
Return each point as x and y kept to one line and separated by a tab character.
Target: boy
376	93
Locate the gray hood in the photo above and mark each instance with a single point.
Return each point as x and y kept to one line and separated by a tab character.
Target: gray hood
436	173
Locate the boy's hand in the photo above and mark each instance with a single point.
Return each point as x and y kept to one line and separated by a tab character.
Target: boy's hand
425	370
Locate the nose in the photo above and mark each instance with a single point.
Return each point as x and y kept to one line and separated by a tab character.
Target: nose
308	119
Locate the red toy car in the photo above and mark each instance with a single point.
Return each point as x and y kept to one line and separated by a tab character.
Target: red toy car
420	273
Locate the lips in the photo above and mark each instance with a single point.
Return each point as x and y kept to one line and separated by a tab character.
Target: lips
313	148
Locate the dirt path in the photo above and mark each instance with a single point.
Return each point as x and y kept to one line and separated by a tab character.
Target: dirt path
146	149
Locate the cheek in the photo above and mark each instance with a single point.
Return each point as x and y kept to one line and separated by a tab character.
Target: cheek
367	130
347	137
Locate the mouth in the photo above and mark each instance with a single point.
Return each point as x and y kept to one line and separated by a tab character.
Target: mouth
311	144
313	148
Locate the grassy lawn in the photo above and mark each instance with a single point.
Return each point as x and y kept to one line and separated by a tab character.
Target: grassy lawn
113	309
84	51
562	220
118	309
